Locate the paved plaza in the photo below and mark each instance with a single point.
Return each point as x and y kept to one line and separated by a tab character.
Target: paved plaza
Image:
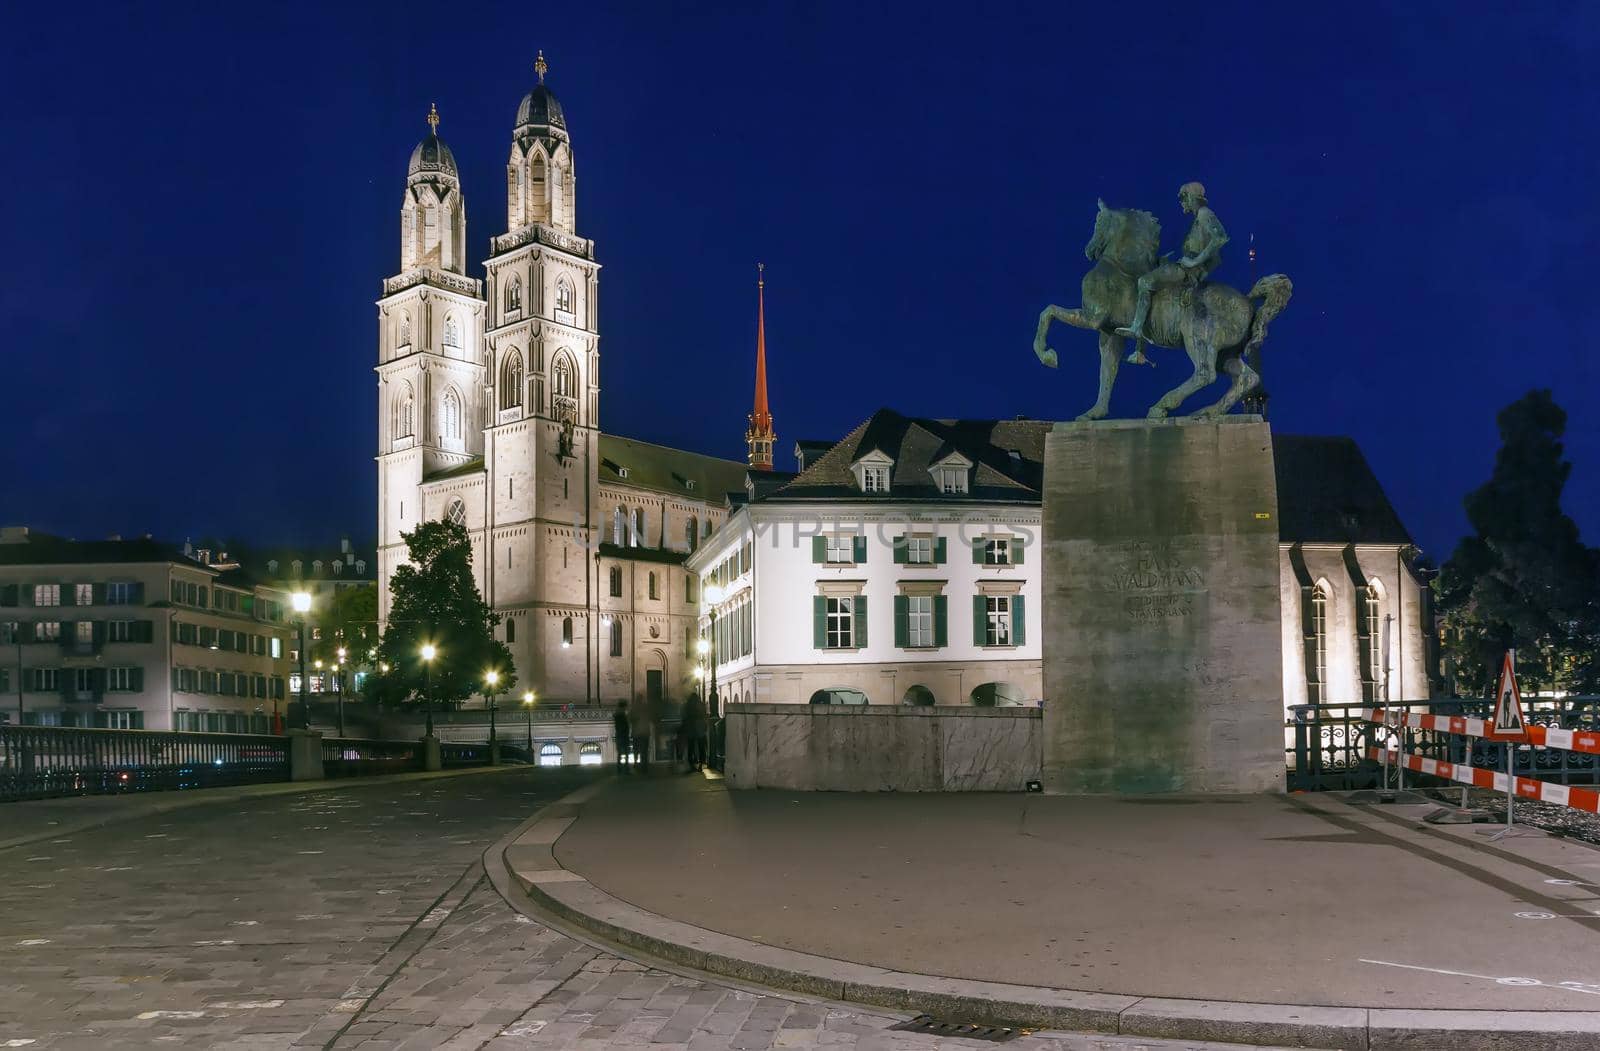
356	915
1286	899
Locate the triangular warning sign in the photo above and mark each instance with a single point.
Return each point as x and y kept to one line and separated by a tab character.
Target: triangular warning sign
1506	722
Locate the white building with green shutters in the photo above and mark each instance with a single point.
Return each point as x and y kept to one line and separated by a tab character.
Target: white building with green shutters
896	567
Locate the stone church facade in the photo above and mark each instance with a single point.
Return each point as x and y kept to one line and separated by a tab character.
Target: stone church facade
489	409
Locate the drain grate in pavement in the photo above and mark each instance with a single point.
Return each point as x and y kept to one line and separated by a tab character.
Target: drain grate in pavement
995	1034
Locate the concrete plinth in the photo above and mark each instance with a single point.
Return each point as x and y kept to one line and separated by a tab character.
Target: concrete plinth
1163	665
431	758
305	755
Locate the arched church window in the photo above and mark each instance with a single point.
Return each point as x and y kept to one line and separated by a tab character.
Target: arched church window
514	294
452	414
563	378
1369	640
538	206
655	589
1314	616
617	527
564	295
404	413
566	631
456	513
405	331
511	380
691	534
635	526
452	333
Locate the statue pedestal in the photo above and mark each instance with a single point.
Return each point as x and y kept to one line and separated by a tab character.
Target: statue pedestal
1163	668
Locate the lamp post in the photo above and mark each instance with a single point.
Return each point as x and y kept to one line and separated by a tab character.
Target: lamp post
491	679
339	685
713	595
527	704
428	653
301	600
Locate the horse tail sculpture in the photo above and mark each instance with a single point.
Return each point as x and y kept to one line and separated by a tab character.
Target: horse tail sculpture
1274	291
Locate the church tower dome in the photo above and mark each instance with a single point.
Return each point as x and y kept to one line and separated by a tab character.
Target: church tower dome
433	219
541	180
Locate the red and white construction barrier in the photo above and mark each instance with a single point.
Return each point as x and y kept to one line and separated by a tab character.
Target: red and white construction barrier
1526	787
1542	736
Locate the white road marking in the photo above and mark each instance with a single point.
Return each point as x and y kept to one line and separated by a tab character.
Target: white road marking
1570	883
524	1028
218	941
1557	915
247	1005
34	941
245	923
147	1015
311	852
41	857
1576	987
349	1005
17	1041
119	868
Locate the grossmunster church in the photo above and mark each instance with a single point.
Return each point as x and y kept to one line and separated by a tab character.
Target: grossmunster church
489	412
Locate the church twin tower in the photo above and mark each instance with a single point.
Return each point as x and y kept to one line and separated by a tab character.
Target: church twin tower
489	417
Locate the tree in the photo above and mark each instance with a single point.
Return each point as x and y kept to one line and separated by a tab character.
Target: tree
1524	580
350	621
436	602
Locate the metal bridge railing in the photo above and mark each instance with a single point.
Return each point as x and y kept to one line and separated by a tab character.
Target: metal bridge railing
358	757
41	761
1326	744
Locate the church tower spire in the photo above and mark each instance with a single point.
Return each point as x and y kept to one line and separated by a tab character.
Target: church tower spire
759	438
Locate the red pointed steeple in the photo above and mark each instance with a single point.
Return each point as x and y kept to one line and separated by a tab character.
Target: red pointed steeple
760	437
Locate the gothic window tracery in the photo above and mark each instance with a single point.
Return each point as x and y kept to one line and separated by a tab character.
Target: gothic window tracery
511	380
405	331
564	296
452	333
404	412
456	513
452	415
1314	621
514	294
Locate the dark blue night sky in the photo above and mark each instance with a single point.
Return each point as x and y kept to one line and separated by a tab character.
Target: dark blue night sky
202	200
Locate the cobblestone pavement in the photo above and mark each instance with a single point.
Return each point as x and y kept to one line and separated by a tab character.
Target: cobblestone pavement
359	917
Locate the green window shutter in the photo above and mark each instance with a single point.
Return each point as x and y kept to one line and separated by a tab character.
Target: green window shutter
136	680
938	551
902	630
819	549
137	596
99	630
819	622
99	592
899	550
941	617
860	621
175	679
1019	633
1016	550
69	597
977	551
144	631
978	620
860	549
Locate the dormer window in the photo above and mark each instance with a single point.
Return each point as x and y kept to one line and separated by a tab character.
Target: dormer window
951	473
872	472
622	472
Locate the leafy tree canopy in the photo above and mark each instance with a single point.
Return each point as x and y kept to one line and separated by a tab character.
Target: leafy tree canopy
1524	579
436	601
349	619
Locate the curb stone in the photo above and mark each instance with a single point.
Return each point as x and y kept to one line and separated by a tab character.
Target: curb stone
531	862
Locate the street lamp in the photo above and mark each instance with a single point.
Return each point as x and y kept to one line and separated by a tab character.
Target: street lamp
340	685
491	679
713	594
527	703
428	653
301	601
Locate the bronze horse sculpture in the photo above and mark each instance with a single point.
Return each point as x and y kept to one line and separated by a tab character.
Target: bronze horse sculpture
1214	324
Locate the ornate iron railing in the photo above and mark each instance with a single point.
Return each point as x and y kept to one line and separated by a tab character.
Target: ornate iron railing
357	757
1325	744
453	754
41	761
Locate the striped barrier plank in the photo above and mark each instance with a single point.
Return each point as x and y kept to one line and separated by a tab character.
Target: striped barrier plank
1543	736
1527	788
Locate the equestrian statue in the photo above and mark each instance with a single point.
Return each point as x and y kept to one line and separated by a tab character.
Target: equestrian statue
1133	294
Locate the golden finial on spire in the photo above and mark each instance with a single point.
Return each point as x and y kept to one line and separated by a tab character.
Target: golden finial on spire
433	119
761	278
540	66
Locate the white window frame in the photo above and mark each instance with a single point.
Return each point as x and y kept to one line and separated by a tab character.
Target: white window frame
997	620
919	622
83	594
47	631
841	543
119	631
119	593
919	550
47	594
119	680
546	755
84	631
44	680
874	478
122	719
841	622
997	551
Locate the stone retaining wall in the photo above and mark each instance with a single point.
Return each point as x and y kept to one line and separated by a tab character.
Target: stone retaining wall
882	748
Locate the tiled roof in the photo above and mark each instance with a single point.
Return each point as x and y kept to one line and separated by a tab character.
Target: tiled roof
41	549
1008	459
668	470
1327	493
